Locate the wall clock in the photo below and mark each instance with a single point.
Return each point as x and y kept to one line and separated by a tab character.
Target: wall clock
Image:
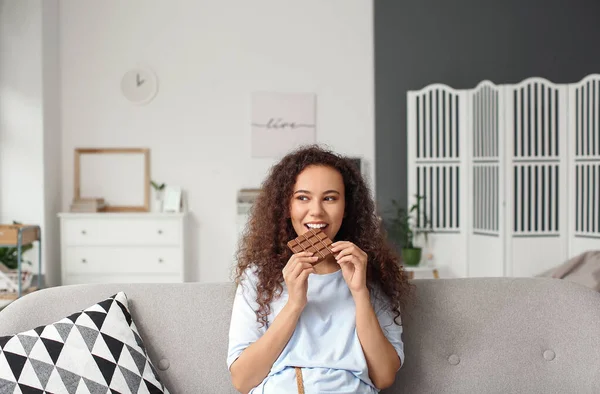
139	85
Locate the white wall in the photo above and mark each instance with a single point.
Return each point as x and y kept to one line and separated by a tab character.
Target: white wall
21	111
209	56
29	118
52	140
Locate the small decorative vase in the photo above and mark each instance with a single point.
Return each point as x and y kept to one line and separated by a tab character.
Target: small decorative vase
157	204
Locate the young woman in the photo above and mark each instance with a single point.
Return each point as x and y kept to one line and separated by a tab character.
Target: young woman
333	327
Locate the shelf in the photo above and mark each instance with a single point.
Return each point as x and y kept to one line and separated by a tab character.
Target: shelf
18	236
9	234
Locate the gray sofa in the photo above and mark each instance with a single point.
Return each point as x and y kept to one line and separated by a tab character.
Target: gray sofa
492	335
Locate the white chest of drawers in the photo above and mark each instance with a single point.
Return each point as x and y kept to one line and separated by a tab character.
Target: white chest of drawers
122	248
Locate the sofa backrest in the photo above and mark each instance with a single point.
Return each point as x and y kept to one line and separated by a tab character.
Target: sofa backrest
185	324
461	335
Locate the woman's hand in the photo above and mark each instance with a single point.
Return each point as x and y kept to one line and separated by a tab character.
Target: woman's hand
353	262
295	274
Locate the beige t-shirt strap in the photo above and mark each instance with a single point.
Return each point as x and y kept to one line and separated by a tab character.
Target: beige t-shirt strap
299	380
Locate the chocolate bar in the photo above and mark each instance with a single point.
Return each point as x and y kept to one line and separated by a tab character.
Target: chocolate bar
315	241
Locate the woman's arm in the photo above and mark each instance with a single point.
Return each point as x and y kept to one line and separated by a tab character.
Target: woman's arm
382	360
256	360
260	350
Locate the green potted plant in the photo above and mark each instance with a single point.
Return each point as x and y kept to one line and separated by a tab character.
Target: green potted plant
406	225
9	256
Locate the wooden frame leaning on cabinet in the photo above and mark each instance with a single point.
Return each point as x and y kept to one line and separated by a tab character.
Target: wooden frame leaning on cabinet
143	187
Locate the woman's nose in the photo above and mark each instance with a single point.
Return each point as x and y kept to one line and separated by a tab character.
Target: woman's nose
316	208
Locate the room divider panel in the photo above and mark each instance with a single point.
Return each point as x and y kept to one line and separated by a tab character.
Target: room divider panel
510	173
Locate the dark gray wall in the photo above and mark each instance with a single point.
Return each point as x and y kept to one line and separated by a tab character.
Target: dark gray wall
462	42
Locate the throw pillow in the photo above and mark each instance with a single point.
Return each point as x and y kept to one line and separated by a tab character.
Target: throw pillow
98	351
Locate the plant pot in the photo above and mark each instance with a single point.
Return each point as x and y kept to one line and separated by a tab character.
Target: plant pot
411	256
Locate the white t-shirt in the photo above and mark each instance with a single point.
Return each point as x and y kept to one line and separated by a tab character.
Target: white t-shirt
325	342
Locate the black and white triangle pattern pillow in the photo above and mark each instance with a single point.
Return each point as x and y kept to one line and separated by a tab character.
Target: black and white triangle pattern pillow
95	351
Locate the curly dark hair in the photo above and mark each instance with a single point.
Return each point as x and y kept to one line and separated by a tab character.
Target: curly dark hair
263	245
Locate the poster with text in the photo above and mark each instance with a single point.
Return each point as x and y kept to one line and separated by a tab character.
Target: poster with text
282	122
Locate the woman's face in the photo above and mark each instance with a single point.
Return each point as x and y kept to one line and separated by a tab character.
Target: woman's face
318	200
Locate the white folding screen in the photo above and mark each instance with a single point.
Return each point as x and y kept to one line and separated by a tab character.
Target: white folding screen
511	173
437	154
486	149
584	165
536	166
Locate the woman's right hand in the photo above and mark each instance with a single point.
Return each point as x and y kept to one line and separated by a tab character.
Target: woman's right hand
295	274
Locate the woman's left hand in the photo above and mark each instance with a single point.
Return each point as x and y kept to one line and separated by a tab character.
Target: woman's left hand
353	262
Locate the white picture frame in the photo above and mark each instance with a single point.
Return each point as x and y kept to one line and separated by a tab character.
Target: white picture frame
172	200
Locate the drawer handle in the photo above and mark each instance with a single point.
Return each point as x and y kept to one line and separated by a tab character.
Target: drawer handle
83	261
83	232
160	231
160	260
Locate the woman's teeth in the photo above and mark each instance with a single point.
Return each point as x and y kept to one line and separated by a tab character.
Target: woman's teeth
319	226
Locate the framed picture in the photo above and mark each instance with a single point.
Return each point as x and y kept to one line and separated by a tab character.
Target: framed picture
121	176
281	122
172	199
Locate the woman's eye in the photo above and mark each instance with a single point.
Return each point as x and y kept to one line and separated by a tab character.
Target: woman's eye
302	198
330	198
